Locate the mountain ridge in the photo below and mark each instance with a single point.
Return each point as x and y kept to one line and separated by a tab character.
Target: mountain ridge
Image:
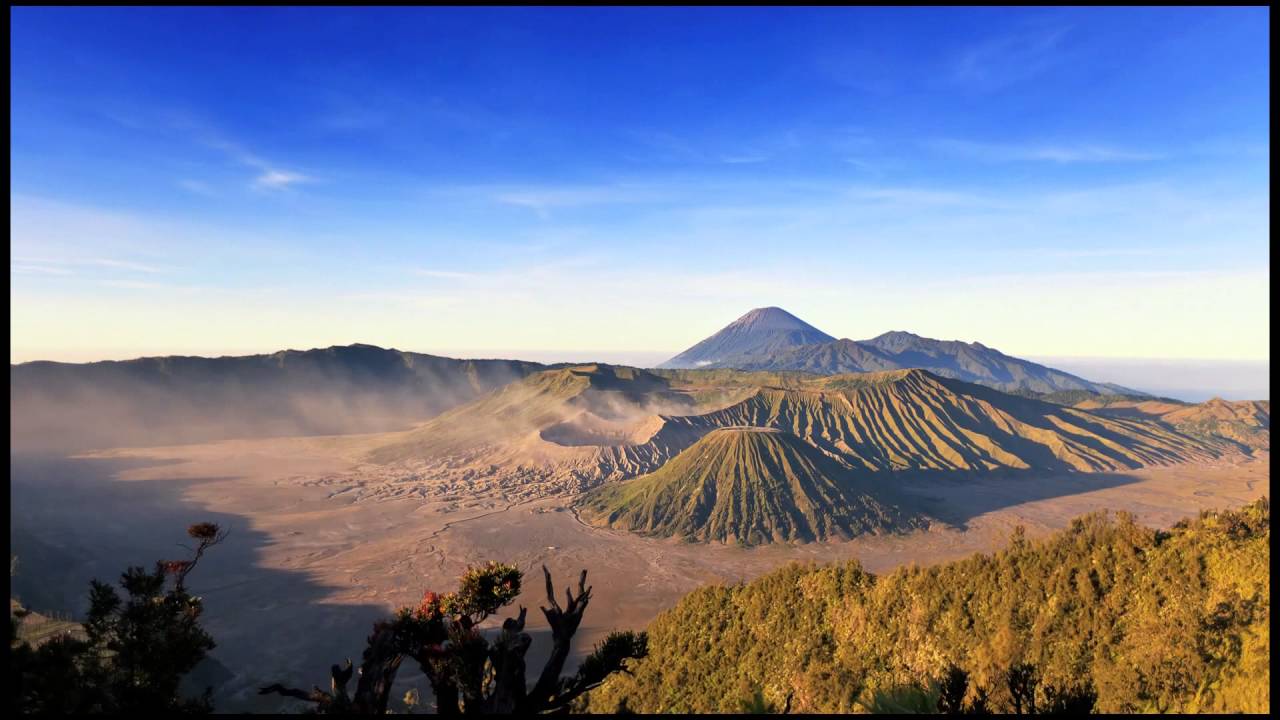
561	431
179	398
732	348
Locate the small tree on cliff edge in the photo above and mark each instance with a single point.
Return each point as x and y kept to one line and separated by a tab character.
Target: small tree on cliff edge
135	650
468	672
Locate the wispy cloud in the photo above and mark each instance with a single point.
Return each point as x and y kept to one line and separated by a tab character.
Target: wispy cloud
667	148
273	179
1001	61
270	175
128	265
918	196
1055	153
542	199
1110	252
407	298
25	269
147	285
450	274
64	266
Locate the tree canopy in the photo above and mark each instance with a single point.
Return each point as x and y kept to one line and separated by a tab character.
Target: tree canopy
1133	618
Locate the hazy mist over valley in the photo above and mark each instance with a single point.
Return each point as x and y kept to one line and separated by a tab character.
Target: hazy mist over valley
504	360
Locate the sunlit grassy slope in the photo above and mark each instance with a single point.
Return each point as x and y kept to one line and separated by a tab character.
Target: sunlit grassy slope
750	485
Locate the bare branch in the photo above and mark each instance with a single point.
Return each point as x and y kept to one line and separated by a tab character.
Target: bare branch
468	671
551	591
316	695
339	676
515	624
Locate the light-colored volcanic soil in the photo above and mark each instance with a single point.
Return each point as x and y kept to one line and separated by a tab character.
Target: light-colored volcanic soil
315	557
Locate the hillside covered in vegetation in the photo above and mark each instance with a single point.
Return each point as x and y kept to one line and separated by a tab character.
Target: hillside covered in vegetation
1135	619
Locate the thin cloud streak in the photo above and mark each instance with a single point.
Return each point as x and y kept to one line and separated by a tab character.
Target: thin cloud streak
1008	59
273	179
270	176
128	265
448	274
543	199
22	269
51	266
918	196
1054	153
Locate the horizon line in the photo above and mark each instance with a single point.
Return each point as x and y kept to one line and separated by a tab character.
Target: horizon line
506	353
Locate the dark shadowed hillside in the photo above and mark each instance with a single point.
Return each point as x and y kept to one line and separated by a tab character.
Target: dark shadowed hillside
167	400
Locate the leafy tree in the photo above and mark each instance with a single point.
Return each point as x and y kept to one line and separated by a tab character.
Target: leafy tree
135	650
467	671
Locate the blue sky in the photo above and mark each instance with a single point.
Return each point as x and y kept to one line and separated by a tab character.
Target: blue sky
623	182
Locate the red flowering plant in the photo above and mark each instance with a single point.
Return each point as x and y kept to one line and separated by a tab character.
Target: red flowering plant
174	567
430	606
482	591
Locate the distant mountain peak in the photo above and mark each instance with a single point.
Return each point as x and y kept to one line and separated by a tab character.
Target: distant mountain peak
771	314
763	330
896	335
771	318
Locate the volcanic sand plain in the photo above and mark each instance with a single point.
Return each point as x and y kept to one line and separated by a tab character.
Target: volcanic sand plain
314	556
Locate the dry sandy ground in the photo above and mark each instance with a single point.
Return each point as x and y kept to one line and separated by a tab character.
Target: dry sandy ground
312	561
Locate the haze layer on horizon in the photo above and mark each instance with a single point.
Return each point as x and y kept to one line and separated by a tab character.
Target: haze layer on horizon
1049	182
